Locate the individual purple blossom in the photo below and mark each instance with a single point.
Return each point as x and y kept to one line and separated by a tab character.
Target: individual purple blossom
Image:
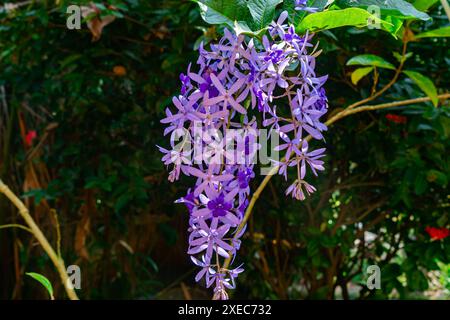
209	239
226	96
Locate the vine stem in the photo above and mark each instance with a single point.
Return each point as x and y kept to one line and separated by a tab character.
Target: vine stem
36	231
19	226
344	113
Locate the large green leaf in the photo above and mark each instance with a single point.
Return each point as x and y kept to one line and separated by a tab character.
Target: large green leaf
425	84
398	8
370	60
336	18
42	280
224	11
360	73
262	12
424	5
441	32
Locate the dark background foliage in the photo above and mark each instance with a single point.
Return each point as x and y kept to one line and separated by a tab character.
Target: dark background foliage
96	105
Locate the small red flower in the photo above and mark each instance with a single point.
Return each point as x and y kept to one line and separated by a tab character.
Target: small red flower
396	118
31	135
437	233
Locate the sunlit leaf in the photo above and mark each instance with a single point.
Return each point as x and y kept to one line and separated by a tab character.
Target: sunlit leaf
331	19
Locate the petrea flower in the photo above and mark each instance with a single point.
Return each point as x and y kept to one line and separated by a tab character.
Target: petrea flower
209	238
226	96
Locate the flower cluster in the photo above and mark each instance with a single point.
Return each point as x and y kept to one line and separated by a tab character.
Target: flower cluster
236	76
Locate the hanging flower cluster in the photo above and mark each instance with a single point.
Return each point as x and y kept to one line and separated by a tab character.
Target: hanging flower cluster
235	76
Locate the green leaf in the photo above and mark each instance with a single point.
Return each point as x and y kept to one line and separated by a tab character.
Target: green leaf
424	5
370	60
425	84
337	18
360	73
437	33
397	8
262	12
224	11
42	280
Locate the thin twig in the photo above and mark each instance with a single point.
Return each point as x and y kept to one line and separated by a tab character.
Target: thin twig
13	225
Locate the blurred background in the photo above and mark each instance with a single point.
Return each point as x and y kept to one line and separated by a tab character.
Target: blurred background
79	125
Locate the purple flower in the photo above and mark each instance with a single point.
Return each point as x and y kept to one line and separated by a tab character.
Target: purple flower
209	238
219	207
226	96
